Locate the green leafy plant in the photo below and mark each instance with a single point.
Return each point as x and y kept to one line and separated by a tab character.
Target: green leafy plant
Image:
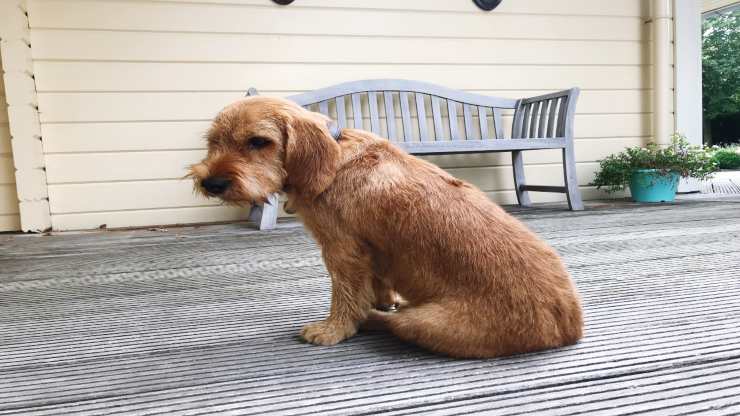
720	63
726	157
681	157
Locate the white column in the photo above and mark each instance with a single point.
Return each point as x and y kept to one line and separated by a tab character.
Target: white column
662	66
688	96
25	130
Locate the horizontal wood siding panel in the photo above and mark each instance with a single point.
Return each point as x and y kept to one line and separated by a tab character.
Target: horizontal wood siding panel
158	106
124	196
97	137
7	170
138	195
130	166
10	222
137	136
4	139
147	217
224	18
136	76
101	167
209	47
8	199
573	7
190	215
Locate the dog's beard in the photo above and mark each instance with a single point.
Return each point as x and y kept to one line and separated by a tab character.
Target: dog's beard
250	182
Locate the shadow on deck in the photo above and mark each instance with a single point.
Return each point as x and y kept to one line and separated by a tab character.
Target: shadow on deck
205	321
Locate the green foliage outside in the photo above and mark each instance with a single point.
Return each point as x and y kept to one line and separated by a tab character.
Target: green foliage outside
721	65
687	160
726	157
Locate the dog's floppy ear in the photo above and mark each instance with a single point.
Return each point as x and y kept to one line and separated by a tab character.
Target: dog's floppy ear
311	154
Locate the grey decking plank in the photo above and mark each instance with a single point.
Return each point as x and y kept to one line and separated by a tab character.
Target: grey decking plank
136	380
596	336
469	374
544	355
128	321
271	317
597	393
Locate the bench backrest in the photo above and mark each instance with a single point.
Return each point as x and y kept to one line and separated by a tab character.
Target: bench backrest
400	111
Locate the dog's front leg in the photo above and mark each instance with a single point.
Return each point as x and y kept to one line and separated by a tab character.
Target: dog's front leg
351	294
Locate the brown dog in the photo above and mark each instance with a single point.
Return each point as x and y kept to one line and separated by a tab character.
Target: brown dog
476	282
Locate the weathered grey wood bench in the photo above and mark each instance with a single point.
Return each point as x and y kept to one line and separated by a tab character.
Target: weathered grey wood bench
542	122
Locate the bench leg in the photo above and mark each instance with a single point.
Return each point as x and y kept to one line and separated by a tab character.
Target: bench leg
517	162
265	215
571	180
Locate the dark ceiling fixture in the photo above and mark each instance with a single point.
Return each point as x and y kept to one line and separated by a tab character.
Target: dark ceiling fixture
283	2
487	5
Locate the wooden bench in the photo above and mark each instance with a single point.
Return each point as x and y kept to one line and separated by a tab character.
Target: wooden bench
542	122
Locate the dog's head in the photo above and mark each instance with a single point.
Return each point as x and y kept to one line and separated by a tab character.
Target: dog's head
259	145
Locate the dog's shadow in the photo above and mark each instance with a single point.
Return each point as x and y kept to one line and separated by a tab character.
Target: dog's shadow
377	345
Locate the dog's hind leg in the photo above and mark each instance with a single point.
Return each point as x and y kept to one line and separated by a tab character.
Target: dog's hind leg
440	327
386	299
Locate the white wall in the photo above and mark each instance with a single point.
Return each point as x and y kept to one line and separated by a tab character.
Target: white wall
126	88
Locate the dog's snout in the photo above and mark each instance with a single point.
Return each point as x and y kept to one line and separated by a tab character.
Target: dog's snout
216	184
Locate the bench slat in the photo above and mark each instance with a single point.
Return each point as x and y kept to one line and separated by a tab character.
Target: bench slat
536	114
468	118
516	128
543	118
406	116
525	122
552	117
437	116
341	113
498	124
390	114
324	108
483	122
561	117
357	110
372	98
452	115
421	115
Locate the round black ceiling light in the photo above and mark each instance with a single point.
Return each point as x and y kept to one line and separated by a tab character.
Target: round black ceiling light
487	5
283	2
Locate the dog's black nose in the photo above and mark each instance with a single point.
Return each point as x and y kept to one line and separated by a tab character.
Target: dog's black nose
216	184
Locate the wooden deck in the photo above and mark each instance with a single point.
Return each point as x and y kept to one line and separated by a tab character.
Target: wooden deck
205	320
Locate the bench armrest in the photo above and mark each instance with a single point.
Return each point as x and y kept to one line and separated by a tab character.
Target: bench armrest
546	116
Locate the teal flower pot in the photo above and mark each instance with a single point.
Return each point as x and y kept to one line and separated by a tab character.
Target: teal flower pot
649	185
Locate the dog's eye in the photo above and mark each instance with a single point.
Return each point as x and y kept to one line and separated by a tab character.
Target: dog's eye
257	142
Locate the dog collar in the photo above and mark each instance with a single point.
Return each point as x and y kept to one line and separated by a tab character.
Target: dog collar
334	130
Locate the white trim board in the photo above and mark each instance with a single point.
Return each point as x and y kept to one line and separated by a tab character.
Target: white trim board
23	117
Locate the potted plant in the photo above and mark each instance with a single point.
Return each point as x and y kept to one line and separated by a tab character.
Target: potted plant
652	172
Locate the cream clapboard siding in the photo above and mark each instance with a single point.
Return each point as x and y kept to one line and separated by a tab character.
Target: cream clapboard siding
126	88
9	219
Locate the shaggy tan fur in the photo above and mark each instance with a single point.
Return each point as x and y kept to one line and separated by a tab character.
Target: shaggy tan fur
475	282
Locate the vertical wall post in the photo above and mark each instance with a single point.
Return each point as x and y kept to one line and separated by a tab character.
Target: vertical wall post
687	52
23	116
662	66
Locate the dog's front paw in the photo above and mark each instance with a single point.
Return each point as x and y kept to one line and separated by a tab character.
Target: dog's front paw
327	332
